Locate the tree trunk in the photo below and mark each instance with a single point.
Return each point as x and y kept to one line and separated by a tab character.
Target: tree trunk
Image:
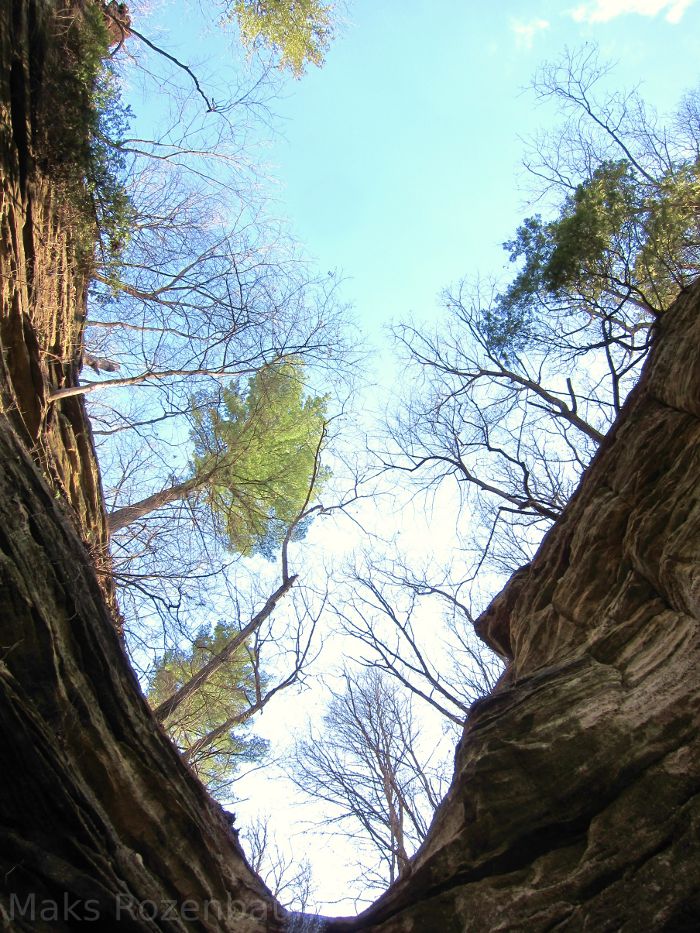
120	518
575	799
169	706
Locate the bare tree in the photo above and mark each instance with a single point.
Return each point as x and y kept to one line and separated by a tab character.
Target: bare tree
518	385
206	696
194	280
513	429
514	390
289	879
418	629
367	765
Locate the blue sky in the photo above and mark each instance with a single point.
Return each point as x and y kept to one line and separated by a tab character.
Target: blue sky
398	162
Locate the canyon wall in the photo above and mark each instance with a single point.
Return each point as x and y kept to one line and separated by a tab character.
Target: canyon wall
98	815
574	804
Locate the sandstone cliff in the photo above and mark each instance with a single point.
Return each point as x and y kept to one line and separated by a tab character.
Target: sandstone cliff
44	259
575	804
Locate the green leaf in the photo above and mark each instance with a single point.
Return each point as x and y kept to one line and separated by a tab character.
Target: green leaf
222	696
257	454
298	31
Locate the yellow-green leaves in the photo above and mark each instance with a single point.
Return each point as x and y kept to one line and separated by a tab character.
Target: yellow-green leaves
223	698
259	453
619	237
298	31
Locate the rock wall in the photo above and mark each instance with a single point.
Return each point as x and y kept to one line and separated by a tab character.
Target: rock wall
44	260
575	804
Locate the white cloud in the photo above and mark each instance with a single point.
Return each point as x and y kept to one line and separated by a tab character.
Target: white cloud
526	32
602	11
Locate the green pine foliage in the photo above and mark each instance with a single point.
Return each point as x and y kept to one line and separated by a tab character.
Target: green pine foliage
228	693
257	454
106	167
85	122
619	236
297	31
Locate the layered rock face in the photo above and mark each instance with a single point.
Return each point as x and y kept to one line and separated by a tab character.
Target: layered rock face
100	821
575	802
44	258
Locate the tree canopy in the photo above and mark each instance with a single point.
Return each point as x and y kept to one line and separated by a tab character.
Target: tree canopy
621	235
297	31
257	454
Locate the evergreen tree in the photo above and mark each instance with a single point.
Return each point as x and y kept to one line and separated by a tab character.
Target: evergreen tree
225	697
621	236
256	459
257	456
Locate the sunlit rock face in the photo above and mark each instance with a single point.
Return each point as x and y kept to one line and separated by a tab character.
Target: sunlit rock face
100	821
575	801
